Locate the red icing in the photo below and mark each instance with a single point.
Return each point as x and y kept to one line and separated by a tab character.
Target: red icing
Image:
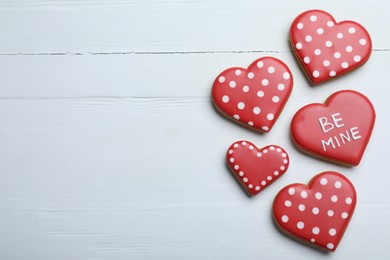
327	49
256	168
318	213
338	130
254	96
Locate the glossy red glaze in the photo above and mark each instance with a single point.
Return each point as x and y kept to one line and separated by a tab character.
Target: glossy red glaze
255	96
338	130
317	213
256	168
327	49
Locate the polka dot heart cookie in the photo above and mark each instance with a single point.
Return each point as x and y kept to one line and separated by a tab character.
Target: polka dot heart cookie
327	49
255	96
256	168
317	213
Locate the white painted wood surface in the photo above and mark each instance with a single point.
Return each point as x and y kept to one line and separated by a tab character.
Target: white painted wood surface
110	147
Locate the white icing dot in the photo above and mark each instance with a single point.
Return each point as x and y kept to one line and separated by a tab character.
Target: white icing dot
328	44
308	38
332	232
221	79
264	82
260	64
304	194
225	99
344	215
250	186
330	213
269	178
337	55
318	195
285	218
332	73
245	179
357	58
348	200
316	230
301	207
241	105
286	75
298	45
231	160
238	72
312	240
232	84
257	188
265	151
275	99
337	185
340	36
279	150
291	191
265	128
287	203
348	48
320	31
317	52
276	173
258	154
300	225
270	116
344	65
362	42
351	30
316	73
326	63
230	151
251	75
263	183
330	23
313	18
315	210
324	181
271	70
250	147
235	145
236	167
272	148
282	168
330	246
306	60
281	86
334	198
245	89
250	123
260	93
243	143
236	117
284	155
256	110
241	173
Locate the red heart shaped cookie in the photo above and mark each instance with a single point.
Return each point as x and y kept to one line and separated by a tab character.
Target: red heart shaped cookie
318	213
255	96
327	49
256	168
338	130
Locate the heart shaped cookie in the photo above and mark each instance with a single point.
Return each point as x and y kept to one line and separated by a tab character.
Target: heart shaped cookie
327	49
338	130
255	96
256	168
318	213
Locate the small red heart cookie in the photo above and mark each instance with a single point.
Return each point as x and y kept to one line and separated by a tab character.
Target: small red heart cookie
318	213
327	49
338	130
256	168
255	96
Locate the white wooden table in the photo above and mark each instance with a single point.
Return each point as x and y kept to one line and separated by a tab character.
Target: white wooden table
110	147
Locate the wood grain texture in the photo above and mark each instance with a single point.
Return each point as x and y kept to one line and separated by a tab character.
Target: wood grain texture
110	147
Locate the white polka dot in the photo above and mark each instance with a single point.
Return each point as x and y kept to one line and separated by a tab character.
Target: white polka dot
330	23
256	110
308	38
287	203
313	18
285	161
269	178
265	82
332	73
337	185
357	58
351	30
317	52
298	45
285	218
340	36
236	167
362	42
330	213
304	194
250	123
230	151
315	210
324	181
245	179
221	79
316	73
243	143
231	160
282	168
328	44
275	99
272	148
235	145
258	155
281	86
301	207
286	75
330	246
241	173
265	151
250	186
312	240
270	116
348	200
284	155
337	55
326	63
241	105
291	191
251	75
300	225
320	31
225	99
250	147
232	84
348	48
276	173
257	188
236	117
334	198
316	230
318	195
344	215
332	232
263	183
300	26
245	89
271	70
265	128
344	65
306	60
260	64
238	72
260	93
279	150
